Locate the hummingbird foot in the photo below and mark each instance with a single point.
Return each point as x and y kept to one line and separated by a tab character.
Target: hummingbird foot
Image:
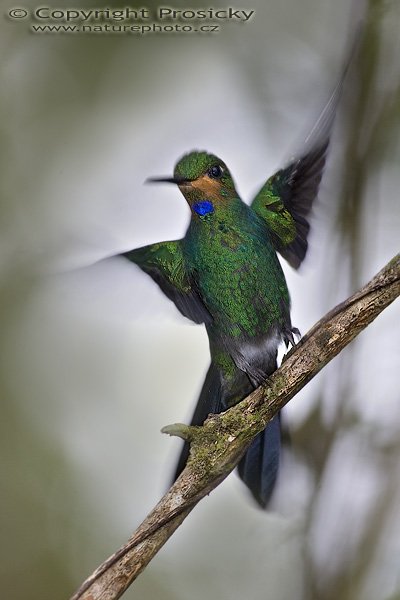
258	361
288	336
257	376
186	432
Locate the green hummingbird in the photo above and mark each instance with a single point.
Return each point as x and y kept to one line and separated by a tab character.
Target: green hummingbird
225	273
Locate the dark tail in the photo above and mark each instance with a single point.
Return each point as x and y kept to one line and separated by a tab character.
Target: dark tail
210	401
259	467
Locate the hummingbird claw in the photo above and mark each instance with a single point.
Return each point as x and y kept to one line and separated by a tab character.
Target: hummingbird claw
257	377
288	336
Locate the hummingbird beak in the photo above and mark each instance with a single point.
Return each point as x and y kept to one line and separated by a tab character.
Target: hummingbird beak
176	180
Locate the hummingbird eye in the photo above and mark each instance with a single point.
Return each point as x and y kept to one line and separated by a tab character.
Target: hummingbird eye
215	172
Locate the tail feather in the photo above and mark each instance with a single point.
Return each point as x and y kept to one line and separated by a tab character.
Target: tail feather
258	468
210	401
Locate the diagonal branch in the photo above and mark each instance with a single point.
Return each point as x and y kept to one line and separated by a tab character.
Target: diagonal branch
218	445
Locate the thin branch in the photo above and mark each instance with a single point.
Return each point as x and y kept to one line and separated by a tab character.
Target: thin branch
218	445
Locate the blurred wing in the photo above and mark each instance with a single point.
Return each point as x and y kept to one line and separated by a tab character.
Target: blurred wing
285	200
165	264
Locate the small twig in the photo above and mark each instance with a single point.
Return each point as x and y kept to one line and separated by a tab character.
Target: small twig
217	446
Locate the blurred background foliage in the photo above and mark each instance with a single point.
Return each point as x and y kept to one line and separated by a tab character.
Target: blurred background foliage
94	361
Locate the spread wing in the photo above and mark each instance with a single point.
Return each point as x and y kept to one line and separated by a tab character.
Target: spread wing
285	201
165	264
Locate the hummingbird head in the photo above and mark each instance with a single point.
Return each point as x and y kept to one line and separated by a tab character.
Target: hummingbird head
204	180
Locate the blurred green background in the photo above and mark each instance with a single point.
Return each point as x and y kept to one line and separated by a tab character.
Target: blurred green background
94	361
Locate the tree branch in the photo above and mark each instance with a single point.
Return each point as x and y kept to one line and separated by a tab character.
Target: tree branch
218	445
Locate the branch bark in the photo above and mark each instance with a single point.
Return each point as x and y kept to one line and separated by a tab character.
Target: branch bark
217	446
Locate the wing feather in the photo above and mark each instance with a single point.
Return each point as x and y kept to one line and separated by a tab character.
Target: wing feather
285	201
165	264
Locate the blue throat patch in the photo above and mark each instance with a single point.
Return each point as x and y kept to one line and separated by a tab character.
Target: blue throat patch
203	208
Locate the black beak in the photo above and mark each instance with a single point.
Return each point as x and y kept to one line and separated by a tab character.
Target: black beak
176	180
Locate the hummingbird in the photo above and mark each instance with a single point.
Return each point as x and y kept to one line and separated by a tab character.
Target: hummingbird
225	273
